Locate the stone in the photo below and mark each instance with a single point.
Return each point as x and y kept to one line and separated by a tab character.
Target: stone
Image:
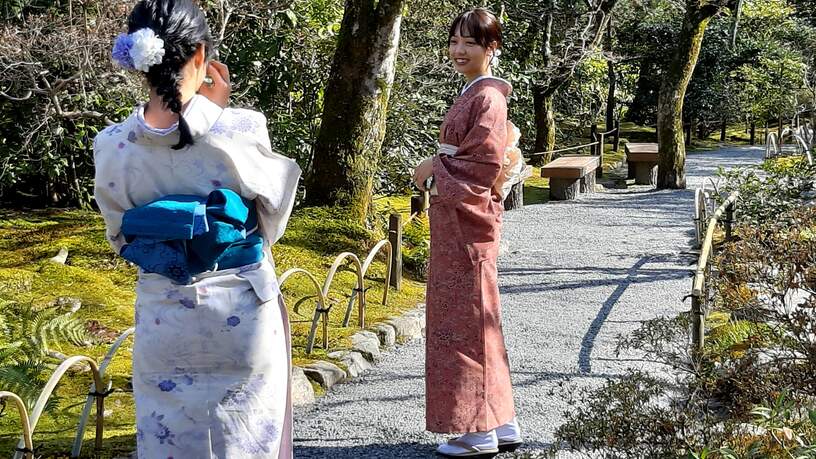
69	303
302	390
386	333
367	343
355	363
324	373
409	326
564	189
61	257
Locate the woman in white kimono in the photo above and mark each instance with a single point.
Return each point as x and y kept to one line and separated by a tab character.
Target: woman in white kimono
211	361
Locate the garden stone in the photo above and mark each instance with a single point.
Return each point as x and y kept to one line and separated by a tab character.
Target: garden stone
324	373
61	257
386	333
366	343
72	304
408	326
355	363
302	390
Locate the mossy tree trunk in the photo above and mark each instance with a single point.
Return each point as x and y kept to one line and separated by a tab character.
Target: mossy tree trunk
543	95
347	151
672	151
545	119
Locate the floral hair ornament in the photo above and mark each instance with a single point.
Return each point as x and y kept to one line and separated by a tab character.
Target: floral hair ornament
494	60
139	50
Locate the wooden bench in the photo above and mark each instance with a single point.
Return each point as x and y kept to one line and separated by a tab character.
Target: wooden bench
515	198
570	175
641	159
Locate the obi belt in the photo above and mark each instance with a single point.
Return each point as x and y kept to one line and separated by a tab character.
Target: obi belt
180	236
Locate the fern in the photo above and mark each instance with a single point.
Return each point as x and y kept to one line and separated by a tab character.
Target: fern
27	335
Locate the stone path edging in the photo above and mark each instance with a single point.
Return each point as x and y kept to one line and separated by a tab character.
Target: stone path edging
367	346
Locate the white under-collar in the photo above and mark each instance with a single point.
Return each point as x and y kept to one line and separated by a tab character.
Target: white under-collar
200	114
483	77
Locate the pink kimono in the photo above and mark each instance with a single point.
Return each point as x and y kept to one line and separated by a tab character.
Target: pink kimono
467	379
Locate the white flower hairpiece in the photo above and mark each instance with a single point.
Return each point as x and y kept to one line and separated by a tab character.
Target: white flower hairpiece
494	62
139	50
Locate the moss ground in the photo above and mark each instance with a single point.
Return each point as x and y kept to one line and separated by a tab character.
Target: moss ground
105	285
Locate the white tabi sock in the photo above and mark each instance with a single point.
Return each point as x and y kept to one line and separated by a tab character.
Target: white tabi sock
485	441
510	432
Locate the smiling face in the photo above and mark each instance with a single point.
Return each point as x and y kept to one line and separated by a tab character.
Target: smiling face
469	57
473	38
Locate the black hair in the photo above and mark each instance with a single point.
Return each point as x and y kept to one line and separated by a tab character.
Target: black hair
480	24
183	27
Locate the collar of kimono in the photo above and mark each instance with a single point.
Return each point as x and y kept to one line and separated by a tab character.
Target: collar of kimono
503	85
201	114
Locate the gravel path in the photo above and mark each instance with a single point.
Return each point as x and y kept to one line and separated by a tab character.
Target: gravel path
573	275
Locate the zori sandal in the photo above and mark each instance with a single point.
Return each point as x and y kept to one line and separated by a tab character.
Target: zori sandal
469	450
509	446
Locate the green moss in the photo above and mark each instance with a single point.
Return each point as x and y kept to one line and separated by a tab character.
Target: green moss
105	285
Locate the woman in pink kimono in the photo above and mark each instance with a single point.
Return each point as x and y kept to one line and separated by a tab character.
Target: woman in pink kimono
468	387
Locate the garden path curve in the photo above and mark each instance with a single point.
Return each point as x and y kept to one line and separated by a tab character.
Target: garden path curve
573	276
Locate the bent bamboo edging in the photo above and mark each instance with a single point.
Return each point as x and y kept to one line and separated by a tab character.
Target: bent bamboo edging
28	443
320	310
360	288
42	400
76	449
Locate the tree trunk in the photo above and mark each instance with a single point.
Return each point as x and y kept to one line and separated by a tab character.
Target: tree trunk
612	76
543	98
347	151
611	100
723	127
672	151
545	119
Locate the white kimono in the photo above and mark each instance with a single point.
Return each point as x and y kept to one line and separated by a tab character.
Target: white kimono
211	361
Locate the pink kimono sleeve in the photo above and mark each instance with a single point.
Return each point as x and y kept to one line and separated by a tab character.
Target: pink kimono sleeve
478	161
465	181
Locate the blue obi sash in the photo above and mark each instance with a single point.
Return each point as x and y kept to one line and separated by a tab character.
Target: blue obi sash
180	236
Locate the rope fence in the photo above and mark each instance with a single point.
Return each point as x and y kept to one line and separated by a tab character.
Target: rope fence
596	146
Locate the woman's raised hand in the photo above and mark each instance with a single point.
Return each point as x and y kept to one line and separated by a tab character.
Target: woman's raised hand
219	89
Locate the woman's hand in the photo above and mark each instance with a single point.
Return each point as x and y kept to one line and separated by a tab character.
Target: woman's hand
422	173
218	91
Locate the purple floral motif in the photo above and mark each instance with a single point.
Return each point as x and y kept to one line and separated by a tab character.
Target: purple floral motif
216	183
121	145
109	131
173	294
187	303
233	321
219	128
167	385
260	437
244	123
132	137
111	185
157	321
187	379
159	430
221	168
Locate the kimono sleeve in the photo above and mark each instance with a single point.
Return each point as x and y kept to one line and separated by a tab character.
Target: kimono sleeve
111	201
269	178
477	164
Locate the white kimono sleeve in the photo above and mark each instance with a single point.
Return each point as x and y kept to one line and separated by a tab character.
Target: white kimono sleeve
269	178
108	196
